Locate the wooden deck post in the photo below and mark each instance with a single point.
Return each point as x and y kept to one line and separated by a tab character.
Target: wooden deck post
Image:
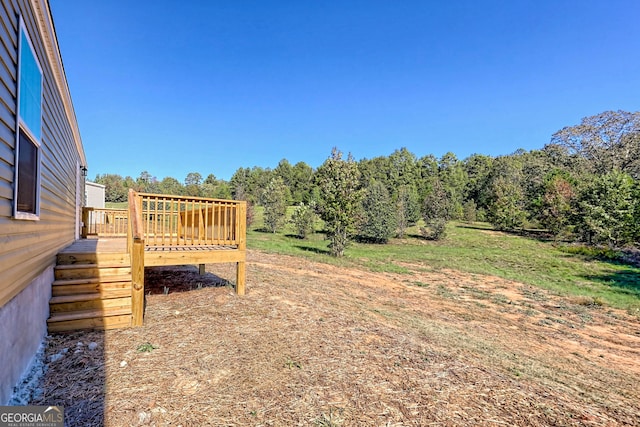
85	222
242	246
137	283
135	245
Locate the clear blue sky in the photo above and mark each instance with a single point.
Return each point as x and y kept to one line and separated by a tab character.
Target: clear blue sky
173	87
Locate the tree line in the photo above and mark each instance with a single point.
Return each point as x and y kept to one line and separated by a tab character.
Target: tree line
583	185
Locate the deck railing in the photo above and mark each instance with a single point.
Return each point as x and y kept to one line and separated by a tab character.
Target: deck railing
104	222
175	222
190	221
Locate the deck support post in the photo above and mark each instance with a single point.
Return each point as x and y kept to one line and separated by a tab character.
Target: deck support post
85	223
201	269
240	277
241	224
137	283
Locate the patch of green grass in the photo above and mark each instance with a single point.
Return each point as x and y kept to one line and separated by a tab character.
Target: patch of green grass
116	205
476	249
290	363
332	419
146	347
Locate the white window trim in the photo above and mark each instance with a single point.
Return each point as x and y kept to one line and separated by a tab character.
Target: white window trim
20	125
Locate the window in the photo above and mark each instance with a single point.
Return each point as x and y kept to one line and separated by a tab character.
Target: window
29	131
27	179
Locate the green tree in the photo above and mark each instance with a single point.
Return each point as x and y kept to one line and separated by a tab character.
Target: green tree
378	216
478	187
302	183
436	211
274	200
556	203
407	208
253	181
170	185
211	179
608	141
428	175
303	219
453	179
145	182
608	210
507	207
403	169
377	169
507	211
470	211
284	170
338	182
192	184
115	188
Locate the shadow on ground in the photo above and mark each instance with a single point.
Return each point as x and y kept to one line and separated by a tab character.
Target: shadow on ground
626	281
312	249
179	278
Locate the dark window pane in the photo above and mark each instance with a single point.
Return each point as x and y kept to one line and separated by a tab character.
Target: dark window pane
27	171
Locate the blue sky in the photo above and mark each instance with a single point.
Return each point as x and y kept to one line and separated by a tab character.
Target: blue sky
173	87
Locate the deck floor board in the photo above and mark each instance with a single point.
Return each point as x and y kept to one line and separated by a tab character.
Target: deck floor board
119	245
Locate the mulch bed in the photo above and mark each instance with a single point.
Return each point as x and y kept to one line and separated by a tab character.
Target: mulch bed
312	344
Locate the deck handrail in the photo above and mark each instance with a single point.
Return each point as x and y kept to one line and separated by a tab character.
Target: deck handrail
175	221
104	222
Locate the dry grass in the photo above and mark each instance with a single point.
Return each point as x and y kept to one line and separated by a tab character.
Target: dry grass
312	344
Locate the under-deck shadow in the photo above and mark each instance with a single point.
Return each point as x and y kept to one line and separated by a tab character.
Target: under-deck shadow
179	278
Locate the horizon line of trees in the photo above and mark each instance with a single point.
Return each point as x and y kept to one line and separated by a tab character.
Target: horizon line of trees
583	185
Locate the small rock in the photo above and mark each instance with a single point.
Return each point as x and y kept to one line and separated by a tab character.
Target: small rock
79	344
55	357
144	417
123	363
177	312
93	346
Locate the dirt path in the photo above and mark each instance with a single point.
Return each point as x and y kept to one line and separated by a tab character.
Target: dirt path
312	344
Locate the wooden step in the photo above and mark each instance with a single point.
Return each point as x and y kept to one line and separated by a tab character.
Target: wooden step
87	314
88	280
89	319
88	286
86	271
73	298
120	259
83	302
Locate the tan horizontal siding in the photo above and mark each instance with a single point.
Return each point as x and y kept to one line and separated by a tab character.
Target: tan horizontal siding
6	189
8	61
41	254
28	247
6	153
5	211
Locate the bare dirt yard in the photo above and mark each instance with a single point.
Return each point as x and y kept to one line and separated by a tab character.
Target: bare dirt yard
316	345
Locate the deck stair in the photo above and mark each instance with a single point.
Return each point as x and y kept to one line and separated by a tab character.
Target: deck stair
91	291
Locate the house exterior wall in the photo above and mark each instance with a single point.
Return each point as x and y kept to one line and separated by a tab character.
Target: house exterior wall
28	247
18	345
95	195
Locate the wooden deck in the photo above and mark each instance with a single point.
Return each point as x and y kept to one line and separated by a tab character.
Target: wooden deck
155	254
97	245
100	278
